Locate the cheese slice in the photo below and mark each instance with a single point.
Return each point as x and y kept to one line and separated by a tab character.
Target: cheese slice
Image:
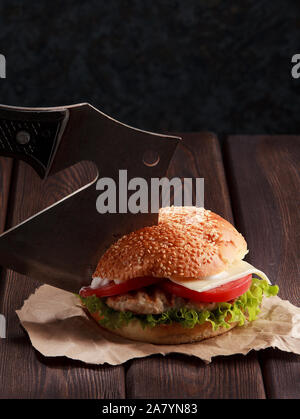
98	282
237	270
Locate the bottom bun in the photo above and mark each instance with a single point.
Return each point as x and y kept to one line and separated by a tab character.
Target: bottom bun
167	334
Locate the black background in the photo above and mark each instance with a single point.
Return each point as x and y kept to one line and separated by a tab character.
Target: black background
192	65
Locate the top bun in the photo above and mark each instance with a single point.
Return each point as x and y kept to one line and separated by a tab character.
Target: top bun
188	242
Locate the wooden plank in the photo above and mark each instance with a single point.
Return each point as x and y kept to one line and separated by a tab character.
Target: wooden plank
264	179
24	372
188	377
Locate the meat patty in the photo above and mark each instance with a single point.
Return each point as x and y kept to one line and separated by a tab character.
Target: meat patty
152	300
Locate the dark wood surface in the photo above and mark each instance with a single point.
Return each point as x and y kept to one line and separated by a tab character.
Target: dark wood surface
256	191
264	180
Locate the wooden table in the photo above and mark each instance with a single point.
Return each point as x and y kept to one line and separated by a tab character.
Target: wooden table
255	183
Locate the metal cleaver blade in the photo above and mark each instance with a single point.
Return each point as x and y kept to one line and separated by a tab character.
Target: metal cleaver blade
62	244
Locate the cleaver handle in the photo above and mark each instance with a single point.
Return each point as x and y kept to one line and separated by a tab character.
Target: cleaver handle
32	135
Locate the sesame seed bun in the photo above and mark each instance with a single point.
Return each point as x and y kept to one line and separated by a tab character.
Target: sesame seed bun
167	334
188	242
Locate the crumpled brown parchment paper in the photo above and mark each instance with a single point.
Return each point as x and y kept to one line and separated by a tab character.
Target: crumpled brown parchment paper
58	326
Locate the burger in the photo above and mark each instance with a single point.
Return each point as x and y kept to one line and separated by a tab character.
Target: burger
182	280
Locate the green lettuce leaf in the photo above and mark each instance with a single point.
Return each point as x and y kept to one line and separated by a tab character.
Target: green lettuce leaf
245	308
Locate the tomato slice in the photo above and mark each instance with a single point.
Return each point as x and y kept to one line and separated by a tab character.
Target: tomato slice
222	293
116	289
